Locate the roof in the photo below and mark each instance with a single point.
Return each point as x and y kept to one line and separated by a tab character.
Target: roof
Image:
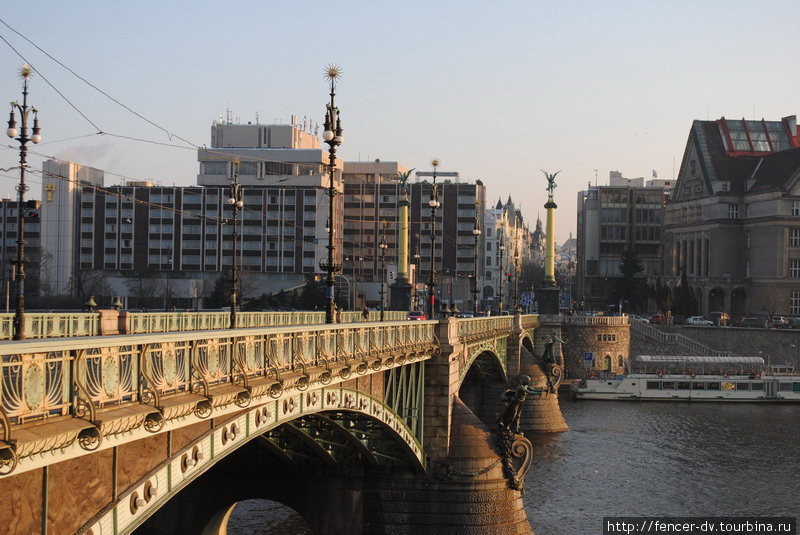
699	359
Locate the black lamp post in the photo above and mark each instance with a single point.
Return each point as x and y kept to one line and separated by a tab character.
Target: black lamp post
476	232
236	202
516	279
21	135
332	135
434	204
383	246
417	262
502	275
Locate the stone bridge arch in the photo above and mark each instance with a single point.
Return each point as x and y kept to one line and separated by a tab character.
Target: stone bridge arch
306	438
482	384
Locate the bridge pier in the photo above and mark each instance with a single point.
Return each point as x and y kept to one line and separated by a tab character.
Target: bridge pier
542	414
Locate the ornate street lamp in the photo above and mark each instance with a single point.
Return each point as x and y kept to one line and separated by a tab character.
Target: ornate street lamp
383	248
476	232
236	202
332	135
21	135
434	204
502	275
418	263
516	279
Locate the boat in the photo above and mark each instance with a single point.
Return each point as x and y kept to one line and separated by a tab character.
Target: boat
695	378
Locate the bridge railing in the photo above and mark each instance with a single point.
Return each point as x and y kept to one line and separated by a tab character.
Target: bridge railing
55	325
115	384
595	320
481	328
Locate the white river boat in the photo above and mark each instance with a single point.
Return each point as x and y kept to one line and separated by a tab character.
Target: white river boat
691	378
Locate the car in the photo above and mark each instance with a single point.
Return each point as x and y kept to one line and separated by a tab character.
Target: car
794	323
720	319
465	315
758	323
658	318
779	322
699	321
416	315
635	317
679	320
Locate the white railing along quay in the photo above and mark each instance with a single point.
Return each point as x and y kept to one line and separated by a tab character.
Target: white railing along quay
677	339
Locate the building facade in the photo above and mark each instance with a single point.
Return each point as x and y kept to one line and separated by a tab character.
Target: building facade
733	224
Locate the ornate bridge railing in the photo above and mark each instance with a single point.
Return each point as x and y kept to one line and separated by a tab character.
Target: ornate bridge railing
58	393
481	328
55	325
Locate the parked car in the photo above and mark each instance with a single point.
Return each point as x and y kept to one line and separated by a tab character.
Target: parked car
736	321
758	323
794	323
779	322
699	321
416	315
679	320
658	318
634	317
720	319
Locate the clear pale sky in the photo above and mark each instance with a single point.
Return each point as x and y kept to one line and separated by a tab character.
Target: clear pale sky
496	91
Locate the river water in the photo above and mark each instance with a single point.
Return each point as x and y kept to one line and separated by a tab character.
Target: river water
640	459
664	459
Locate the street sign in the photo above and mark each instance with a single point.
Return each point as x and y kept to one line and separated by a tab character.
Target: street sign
525	299
588	359
588	356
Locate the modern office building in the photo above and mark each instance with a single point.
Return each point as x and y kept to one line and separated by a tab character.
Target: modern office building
733	223
184	234
626	214
36	267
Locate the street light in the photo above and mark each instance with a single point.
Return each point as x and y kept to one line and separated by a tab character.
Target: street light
434	204
417	262
21	135
476	232
235	200
516	279
502	274
383	248
332	135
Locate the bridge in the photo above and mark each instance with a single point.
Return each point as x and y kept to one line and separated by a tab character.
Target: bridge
361	427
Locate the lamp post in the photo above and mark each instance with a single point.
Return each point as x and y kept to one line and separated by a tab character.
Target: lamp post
383	246
502	274
21	135
434	204
417	262
516	279
476	232
332	135
236	202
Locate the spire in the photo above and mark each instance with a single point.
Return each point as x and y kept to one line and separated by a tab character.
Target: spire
499	204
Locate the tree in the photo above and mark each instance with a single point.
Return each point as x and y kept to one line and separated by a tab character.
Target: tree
167	289
685	302
142	287
86	282
772	297
629	287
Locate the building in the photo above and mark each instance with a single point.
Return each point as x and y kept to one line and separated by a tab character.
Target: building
505	228
36	266
178	239
733	224
626	214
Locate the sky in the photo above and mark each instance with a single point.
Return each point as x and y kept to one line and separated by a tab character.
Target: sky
498	92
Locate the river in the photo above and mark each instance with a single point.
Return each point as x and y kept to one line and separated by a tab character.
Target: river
643	459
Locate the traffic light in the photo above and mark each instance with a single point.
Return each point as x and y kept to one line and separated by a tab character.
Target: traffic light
509	276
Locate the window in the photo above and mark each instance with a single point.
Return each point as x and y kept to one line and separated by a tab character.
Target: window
606	337
794	269
796	208
215	168
795	237
794	303
733	211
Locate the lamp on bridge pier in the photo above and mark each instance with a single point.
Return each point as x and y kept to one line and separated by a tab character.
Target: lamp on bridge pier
116	304
236	202
434	204
502	274
383	246
90	304
332	135
21	135
476	232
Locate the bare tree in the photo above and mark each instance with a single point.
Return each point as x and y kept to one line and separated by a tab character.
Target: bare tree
167	288
772	297
86	282
199	289
143	286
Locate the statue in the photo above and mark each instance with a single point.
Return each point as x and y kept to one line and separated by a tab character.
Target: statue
548	356
513	400
551	181
404	179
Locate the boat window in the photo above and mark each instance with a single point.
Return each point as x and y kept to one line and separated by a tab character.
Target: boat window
757	386
795	387
668	385
742	386
682	386
634	384
698	386
785	387
653	385
712	386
